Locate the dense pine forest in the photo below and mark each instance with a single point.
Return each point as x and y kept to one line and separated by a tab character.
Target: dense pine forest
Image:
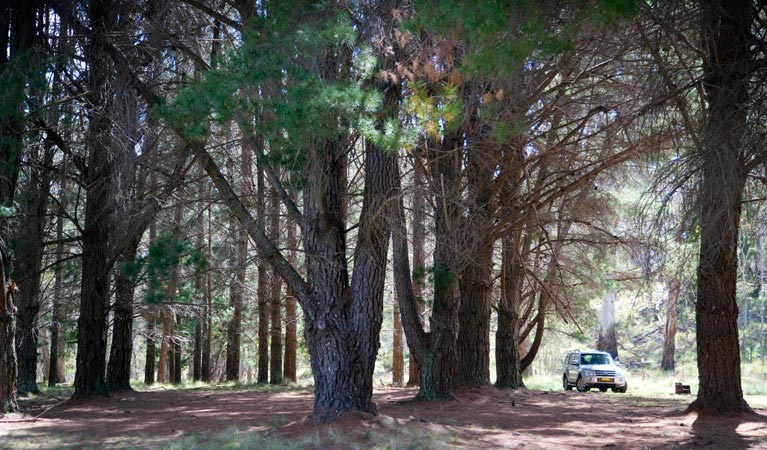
347	193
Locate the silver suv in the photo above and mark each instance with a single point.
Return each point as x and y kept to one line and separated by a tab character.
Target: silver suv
586	370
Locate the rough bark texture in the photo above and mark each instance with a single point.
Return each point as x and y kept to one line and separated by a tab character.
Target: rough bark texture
236	288
419	256
28	245
725	28
668	360
507	347
100	205
437	375
18	36
121	350
8	369
476	276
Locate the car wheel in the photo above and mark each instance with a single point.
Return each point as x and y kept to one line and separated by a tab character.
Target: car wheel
581	385
621	390
565	384
602	389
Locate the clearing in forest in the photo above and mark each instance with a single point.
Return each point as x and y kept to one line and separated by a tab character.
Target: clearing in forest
268	417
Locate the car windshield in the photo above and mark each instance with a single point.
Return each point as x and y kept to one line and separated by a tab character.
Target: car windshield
594	358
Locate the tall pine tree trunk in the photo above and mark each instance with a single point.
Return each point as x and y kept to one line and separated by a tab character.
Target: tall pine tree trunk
263	285
419	255
275	307
121	350
726	68
507	347
290	309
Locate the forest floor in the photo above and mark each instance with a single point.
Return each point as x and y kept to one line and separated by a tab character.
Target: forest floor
276	417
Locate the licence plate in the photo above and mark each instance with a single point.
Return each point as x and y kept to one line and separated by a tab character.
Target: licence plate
605	380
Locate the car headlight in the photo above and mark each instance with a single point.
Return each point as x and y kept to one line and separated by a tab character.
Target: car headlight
588	373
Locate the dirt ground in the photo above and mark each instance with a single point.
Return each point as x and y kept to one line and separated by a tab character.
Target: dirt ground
486	418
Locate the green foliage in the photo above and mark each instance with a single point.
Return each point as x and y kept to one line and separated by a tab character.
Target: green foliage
166	254
274	86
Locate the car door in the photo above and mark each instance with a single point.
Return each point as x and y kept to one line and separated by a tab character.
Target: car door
572	367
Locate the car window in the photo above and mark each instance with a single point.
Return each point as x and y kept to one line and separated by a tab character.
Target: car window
574	358
594	358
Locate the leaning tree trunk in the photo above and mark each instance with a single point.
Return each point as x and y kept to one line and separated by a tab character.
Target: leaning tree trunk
419	255
726	68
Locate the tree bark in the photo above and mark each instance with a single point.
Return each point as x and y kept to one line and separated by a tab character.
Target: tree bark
167	329
507	347
725	34
290	309
607	341
263	285
398	348
28	245
151	322
8	368
668	360
121	350
419	255
275	310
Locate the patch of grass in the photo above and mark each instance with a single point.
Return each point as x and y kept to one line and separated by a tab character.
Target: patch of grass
231	439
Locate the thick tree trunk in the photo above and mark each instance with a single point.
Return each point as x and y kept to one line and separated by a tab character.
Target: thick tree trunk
474	317
476	277
672	325
8	369
370	262
507	347
28	242
726	64
121	350
28	245
437	375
